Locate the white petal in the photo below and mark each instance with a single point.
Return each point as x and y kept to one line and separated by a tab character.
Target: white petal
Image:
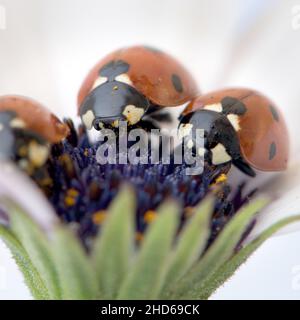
286	190
17	187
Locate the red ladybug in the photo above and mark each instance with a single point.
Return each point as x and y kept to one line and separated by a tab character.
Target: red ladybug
33	116
130	82
241	126
26	131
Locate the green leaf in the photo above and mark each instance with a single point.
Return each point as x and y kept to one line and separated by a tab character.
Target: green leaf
37	246
114	246
145	279
76	275
221	250
31	276
228	269
191	243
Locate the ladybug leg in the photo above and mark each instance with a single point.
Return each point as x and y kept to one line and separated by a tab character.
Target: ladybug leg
243	166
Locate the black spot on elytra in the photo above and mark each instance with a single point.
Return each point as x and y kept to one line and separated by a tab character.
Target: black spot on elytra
274	113
177	83
233	106
272	151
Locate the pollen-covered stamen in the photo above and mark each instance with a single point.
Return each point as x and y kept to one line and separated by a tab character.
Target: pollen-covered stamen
71	197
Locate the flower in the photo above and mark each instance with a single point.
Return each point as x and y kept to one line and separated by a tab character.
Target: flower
99	238
83	189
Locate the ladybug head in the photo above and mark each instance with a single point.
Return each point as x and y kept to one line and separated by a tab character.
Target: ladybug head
202	124
113	98
220	140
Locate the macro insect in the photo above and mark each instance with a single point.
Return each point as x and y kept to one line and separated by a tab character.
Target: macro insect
240	126
26	131
131	83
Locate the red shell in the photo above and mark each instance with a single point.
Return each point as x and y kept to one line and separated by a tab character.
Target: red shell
151	72
263	133
36	117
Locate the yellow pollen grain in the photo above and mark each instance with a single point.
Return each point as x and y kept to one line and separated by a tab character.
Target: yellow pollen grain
70	198
86	152
69	201
221	178
99	216
150	216
115	88
72	192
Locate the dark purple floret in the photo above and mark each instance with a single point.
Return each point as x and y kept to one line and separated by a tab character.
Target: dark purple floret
83	189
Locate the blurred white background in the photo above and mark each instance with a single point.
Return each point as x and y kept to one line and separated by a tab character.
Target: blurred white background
47	47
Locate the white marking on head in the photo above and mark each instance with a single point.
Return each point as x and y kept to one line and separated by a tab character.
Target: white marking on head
38	154
88	119
184	130
133	114
99	81
217	107
219	154
235	121
201	152
123	78
17	123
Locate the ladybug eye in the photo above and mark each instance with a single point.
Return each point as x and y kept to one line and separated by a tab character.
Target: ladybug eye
123	78
99	81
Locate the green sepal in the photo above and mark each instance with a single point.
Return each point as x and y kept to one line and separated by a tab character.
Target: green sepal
77	277
114	246
31	276
145	278
37	246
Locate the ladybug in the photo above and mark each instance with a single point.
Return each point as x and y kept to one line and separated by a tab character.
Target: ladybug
132	82
241	126
26	131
